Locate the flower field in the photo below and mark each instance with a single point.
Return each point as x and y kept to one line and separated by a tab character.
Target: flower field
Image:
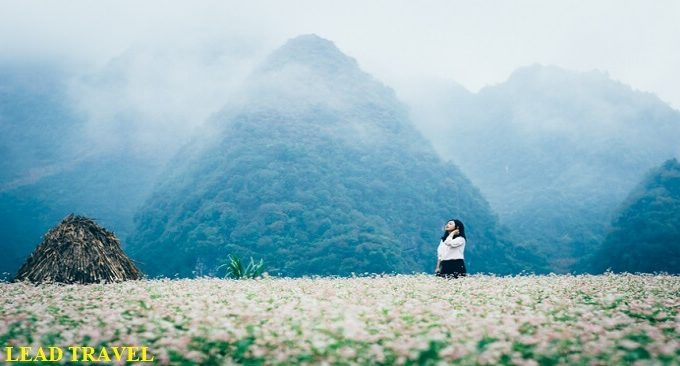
404	319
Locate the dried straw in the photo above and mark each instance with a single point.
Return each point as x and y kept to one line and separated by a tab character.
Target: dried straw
78	251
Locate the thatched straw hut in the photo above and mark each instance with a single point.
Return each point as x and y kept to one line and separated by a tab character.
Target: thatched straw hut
78	251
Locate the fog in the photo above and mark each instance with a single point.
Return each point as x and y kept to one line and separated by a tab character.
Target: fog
152	97
145	76
474	44
574	91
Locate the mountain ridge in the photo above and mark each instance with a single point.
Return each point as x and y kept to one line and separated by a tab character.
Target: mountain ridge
567	150
314	186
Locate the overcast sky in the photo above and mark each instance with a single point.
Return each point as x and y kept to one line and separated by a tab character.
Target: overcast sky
474	43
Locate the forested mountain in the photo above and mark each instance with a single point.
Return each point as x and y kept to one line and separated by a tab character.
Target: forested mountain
554	151
314	153
317	169
645	236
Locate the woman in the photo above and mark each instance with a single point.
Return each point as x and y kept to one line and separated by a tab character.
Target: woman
450	261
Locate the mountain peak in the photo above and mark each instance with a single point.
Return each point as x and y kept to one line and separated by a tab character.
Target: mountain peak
312	51
310	41
582	87
309	70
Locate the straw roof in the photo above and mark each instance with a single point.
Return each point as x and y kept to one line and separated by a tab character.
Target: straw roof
78	251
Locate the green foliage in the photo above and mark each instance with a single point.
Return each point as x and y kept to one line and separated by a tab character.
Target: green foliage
235	269
645	236
315	187
319	209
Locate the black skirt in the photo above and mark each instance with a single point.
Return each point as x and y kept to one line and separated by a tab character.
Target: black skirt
452	268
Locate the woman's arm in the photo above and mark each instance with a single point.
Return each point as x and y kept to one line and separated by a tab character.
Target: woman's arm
455	242
437	269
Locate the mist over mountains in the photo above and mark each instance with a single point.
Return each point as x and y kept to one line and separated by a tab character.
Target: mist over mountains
309	162
318	170
35	107
52	167
554	151
93	140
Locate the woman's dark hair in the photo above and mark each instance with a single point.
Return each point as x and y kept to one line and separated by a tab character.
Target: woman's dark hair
459	226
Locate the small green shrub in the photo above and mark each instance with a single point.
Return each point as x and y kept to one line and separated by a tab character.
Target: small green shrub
235	269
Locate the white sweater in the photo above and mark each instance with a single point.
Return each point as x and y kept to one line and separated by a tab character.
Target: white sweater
451	248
